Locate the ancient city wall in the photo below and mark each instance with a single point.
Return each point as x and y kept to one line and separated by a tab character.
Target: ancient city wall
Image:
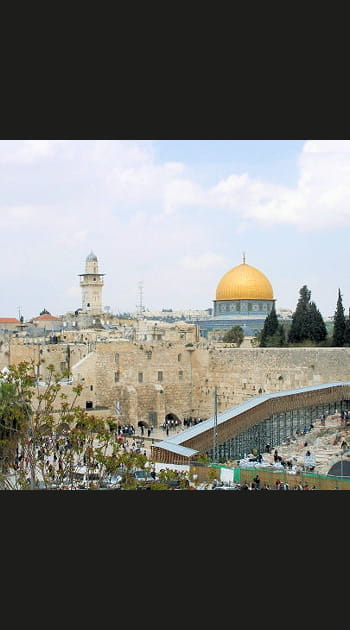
238	374
62	356
155	377
147	378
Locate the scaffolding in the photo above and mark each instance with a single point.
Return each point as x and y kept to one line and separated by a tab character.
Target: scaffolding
273	431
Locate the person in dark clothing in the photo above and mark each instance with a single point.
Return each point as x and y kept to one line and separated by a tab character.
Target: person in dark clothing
257	481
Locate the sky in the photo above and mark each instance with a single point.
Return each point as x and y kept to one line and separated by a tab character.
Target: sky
168	218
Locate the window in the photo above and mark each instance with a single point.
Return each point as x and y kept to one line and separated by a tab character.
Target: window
179	357
149	354
91	388
116	377
116	357
140	377
152	417
160	376
181	374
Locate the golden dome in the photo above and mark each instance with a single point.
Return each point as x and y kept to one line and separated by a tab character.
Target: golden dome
244	282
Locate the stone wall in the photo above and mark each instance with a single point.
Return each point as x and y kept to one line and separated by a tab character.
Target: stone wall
155	377
147	378
62	356
238	373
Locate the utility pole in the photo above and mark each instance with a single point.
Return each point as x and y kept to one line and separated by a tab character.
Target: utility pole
215	427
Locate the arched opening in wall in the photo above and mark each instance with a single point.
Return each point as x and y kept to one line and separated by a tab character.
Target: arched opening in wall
172	417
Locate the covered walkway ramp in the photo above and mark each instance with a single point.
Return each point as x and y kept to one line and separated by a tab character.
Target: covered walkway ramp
266	419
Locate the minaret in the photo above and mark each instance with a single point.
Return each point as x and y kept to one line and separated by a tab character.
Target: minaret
91	283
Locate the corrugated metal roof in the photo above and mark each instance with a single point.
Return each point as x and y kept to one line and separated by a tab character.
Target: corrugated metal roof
208	424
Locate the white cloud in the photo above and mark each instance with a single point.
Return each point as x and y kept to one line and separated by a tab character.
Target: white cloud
180	193
327	146
143	218
320	200
25	151
203	262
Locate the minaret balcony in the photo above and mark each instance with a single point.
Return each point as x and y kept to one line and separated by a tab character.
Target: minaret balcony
91	281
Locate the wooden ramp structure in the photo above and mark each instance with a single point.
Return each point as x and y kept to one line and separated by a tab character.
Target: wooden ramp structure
251	425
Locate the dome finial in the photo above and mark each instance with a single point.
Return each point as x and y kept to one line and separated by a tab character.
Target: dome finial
243	258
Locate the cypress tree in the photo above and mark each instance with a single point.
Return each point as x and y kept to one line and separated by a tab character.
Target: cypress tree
281	335
270	327
307	321
347	332
318	330
272	333
300	327
338	336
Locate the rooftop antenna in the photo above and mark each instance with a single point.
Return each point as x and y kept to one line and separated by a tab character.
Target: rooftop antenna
140	306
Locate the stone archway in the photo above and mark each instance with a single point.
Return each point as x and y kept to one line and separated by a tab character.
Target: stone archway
173	419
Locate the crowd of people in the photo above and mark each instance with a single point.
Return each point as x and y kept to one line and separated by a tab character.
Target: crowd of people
126	429
190	421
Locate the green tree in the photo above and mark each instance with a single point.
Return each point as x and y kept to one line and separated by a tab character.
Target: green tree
36	422
299	330
272	333
347	332
234	335
338	336
318	330
307	327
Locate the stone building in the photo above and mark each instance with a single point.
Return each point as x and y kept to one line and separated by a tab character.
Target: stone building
167	369
11	324
157	369
91	282
47	322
